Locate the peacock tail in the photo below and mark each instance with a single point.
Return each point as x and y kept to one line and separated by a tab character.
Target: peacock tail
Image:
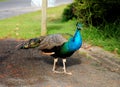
32	43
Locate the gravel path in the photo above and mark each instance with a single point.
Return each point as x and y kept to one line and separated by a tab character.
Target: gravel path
29	68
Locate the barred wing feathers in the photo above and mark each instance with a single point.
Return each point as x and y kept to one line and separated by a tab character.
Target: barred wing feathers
51	41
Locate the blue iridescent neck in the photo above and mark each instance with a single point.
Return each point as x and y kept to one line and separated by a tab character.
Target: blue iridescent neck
76	41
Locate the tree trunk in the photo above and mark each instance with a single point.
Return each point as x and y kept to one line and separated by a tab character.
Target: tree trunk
44	18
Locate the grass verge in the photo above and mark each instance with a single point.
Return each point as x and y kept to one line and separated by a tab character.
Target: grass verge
29	25
2	0
95	37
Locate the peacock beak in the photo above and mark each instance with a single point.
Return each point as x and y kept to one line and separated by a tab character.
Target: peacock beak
79	28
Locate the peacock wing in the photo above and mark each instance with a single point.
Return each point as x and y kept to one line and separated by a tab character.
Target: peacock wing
51	41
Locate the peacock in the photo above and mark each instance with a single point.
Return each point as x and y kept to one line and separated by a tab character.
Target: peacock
57	46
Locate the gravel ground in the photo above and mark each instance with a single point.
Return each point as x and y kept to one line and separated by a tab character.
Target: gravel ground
29	68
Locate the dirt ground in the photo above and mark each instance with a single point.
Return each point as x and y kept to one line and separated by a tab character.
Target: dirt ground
29	68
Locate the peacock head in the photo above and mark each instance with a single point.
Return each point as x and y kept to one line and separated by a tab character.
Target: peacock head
79	26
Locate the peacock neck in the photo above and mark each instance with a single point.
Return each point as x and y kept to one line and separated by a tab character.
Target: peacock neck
76	41
77	35
73	44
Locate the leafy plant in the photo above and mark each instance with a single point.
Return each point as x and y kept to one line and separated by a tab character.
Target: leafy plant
97	12
68	13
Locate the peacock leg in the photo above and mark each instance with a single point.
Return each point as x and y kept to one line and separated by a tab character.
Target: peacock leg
64	68
54	66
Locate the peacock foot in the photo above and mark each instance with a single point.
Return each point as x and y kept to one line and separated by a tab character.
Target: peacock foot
68	73
54	71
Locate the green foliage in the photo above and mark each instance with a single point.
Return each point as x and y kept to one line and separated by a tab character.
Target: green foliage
111	30
97	12
68	13
103	14
94	36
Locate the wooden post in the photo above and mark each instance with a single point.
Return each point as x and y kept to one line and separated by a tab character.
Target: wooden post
44	18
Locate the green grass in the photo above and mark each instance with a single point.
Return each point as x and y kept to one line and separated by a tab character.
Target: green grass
2	0
95	37
26	26
29	25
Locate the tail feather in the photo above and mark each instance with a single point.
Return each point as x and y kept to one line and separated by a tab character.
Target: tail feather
32	43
